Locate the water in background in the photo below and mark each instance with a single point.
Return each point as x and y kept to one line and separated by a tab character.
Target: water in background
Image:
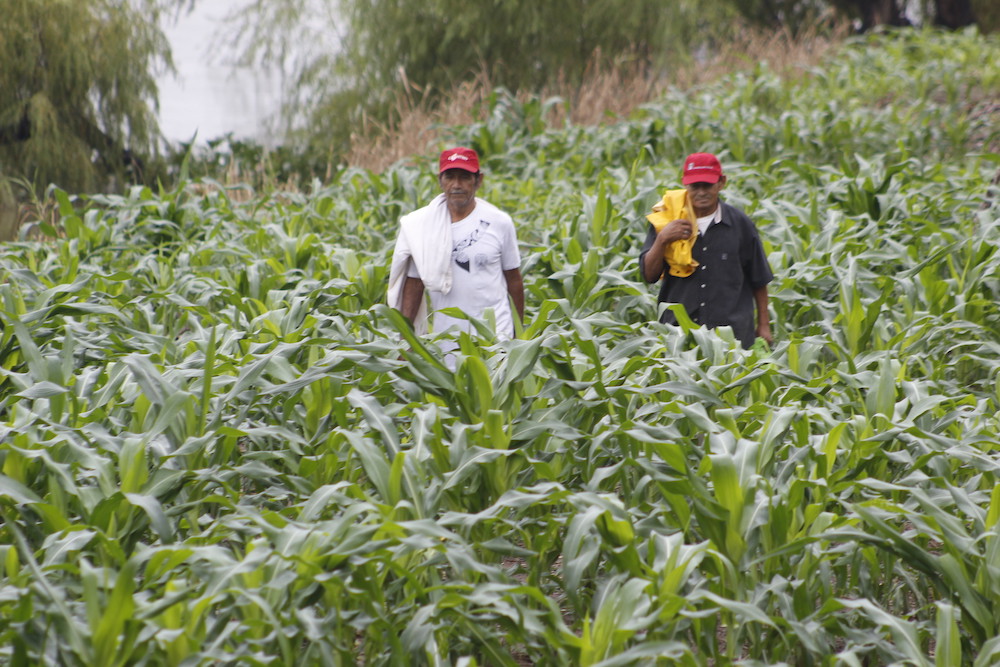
208	96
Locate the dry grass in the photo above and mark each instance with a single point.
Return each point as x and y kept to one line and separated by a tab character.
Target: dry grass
608	92
25	220
241	182
415	126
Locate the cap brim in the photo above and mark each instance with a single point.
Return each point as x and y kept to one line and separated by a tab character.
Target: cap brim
463	167
701	178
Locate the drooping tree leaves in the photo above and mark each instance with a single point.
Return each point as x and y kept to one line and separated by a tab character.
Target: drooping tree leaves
77	90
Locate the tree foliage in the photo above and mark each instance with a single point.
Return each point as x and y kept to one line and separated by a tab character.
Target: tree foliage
77	89
795	15
384	49
354	59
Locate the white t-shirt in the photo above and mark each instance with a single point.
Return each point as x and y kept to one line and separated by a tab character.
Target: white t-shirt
709	220
484	245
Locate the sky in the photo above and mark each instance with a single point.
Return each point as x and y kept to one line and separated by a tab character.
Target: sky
206	96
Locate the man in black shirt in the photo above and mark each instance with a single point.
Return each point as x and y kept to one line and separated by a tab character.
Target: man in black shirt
730	280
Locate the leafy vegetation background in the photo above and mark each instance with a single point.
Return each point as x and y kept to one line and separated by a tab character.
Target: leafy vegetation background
218	446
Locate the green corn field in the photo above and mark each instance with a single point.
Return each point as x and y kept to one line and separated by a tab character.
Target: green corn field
219	446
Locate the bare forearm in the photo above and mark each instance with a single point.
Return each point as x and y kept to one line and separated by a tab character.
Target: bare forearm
515	288
761	299
763	316
413	294
652	263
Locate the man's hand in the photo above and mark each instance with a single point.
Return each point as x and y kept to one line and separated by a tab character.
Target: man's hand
764	331
675	230
653	262
763	316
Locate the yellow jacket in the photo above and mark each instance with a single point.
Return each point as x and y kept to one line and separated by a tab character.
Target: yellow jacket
675	206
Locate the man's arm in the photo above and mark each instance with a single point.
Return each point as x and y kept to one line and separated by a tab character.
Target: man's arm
413	293
763	316
515	288
652	261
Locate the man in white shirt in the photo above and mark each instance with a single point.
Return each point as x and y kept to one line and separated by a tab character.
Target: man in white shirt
461	250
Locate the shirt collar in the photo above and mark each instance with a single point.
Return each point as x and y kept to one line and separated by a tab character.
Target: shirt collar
715	217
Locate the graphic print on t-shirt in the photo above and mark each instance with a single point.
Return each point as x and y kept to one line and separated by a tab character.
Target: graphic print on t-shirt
460	252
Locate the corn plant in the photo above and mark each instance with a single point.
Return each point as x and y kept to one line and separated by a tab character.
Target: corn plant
217	444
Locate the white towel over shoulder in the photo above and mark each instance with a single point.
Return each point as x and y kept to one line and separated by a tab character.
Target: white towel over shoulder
425	238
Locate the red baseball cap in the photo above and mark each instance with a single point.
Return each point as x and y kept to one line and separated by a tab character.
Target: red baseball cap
458	158
701	168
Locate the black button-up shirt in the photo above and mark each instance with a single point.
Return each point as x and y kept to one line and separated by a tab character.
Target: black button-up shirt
731	264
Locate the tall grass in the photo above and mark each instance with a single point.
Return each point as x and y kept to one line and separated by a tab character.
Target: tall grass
608	92
217	445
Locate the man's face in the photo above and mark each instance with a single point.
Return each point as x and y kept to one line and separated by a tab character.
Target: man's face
705	196
459	187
